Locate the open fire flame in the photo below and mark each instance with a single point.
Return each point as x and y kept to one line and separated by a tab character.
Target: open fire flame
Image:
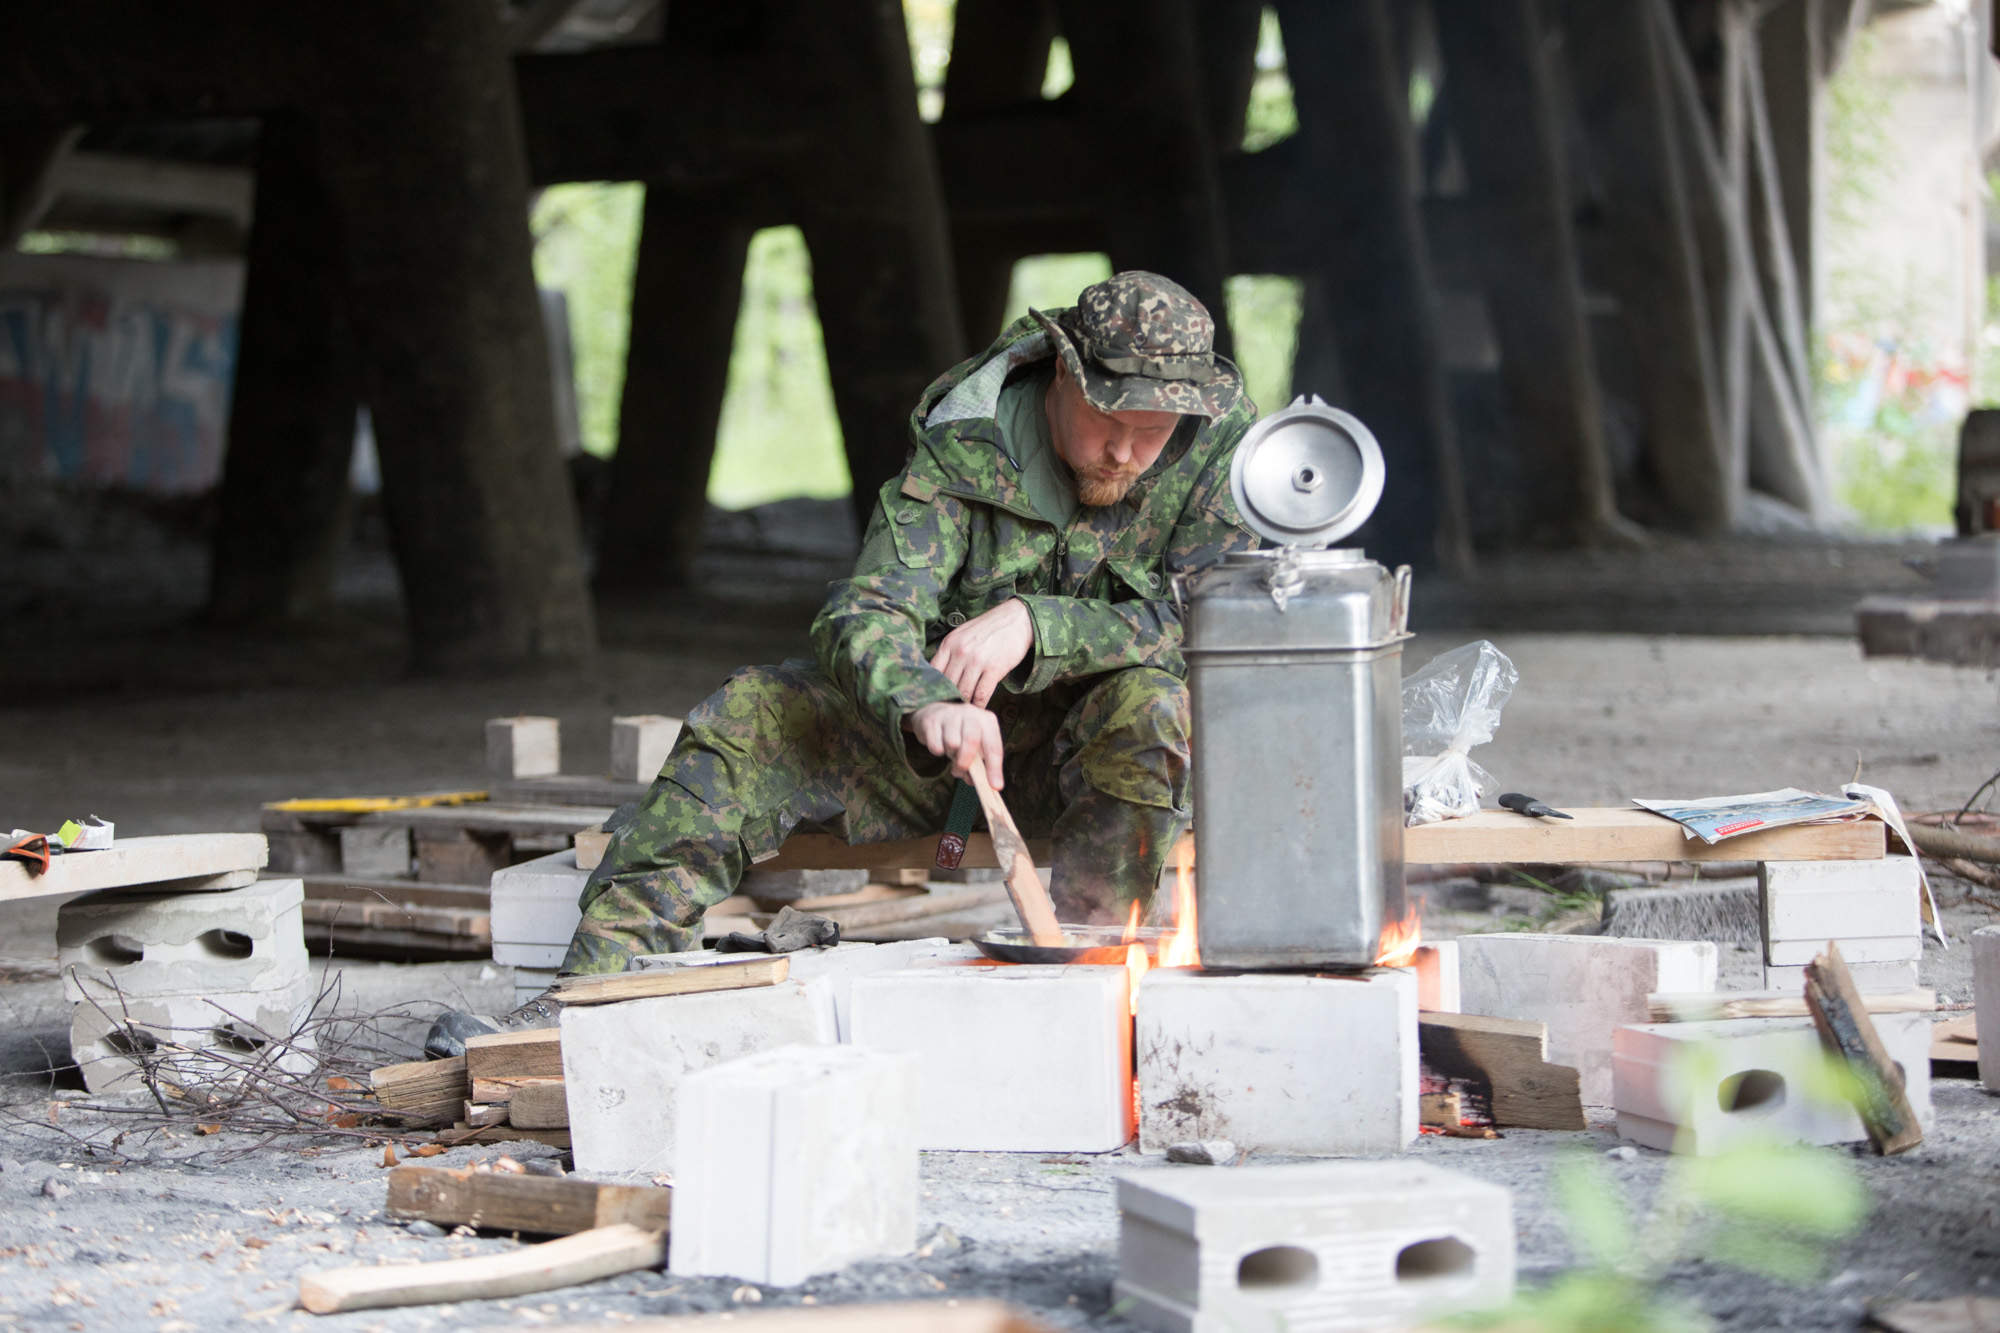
1178	949
1397	946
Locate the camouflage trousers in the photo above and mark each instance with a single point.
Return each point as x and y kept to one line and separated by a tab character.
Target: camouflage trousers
1100	766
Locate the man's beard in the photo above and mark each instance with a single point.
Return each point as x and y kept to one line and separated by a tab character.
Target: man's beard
1107	487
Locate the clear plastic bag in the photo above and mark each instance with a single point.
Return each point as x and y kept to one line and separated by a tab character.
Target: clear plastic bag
1452	704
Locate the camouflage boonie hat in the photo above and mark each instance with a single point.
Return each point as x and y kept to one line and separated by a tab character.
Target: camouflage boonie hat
1138	342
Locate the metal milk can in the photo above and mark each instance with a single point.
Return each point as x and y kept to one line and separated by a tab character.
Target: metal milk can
1295	668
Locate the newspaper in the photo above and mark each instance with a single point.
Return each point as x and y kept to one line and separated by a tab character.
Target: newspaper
1713	818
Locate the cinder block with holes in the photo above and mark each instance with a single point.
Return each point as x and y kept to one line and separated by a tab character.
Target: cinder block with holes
1867	976
1705	1088
1807	903
1026	1058
1582	986
1310	1249
188	1039
1278	1064
795	1162
625	1062
152	944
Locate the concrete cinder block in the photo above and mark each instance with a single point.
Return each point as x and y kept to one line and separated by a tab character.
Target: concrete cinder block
1009	1059
795	1162
1310	1249
1817	901
830	972
625	1062
1582	986
788	886
194	1038
1276	1063
1437	977
233	941
1877	949
535	909
1867	976
639	745
375	851
1986	1002
1704	1088
523	747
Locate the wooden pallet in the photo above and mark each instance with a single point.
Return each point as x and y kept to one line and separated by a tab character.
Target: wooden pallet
397	918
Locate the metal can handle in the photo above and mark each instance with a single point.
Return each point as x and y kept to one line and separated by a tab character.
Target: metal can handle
1399	603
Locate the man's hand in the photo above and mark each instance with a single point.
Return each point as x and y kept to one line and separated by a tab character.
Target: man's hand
979	654
963	733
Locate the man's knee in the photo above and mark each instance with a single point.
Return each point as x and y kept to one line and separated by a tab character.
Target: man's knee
1133	730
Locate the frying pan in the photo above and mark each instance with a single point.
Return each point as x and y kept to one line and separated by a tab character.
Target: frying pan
1082	944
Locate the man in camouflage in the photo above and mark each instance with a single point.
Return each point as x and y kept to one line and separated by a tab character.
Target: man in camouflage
1011	607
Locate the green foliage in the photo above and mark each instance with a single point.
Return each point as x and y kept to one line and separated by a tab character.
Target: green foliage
1273	114
1766	1210
586	240
1859	148
1056	80
929	26
1049	282
1264	316
779	435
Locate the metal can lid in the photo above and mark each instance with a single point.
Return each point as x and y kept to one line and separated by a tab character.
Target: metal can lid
1307	475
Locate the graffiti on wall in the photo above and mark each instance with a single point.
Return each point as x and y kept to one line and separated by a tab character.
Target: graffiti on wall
127	390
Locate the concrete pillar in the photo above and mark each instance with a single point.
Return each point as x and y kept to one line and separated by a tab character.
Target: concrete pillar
1500	100
1651	261
1370	303
873	217
284	502
686	290
423	156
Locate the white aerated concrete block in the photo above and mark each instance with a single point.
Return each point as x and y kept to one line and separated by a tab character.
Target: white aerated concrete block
523	747
1817	901
795	1162
193	1038
830	972
625	1062
1867	976
152	944
1986	1002
1310	1249
1583	986
1009	1059
535	910
1705	1088
1277	1063
1437	977
639	745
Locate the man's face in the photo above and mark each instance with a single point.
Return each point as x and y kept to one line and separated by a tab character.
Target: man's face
1106	450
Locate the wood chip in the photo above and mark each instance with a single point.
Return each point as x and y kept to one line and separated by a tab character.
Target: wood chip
510	1201
755	970
1508	1058
583	1257
536	1054
1847	1031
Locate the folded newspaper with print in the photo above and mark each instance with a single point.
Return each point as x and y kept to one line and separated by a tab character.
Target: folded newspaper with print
1713	818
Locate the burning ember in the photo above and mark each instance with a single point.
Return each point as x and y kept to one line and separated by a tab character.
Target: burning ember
1181	949
1399	941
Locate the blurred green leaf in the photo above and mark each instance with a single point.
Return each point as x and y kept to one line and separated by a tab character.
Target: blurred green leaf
1594	1212
1804	1189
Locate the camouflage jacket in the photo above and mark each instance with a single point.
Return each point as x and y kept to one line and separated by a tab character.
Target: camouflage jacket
956	535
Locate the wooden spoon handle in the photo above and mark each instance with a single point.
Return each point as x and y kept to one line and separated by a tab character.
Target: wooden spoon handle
1024	886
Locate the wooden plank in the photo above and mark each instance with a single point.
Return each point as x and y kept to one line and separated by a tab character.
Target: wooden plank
508	1201
1706	1006
540	1105
1960	1314
172	859
1621	833
590	845
1594	833
515	1055
583	1257
502	1091
1846	1030
423	1091
1440	1108
823	851
755	970
337	887
1508	1057
363	918
514	820
945	900
505	1133
1024	883
1955	1039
